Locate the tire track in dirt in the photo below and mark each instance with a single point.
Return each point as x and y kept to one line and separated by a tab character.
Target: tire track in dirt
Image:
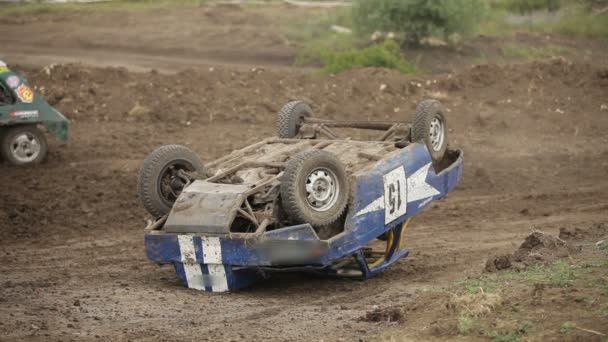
140	61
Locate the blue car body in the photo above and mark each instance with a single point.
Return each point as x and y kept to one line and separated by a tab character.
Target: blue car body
384	198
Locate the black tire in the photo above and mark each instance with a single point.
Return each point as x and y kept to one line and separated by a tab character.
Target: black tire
24	145
158	187
294	197
426	112
290	118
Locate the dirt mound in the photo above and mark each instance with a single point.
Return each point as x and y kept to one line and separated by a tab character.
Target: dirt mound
218	94
538	247
543	248
390	314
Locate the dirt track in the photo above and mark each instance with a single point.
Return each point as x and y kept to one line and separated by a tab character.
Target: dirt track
192	36
73	264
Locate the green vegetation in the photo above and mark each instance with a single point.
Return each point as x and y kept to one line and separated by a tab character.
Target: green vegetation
38	7
318	29
412	20
577	21
406	21
505	306
465	324
567	327
525	52
508	335
560	274
526	6
323	39
573	18
386	55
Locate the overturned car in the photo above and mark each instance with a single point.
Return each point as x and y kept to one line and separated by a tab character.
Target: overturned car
309	199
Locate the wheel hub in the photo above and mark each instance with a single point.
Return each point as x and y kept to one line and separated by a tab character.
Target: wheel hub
25	147
322	189
172	183
436	133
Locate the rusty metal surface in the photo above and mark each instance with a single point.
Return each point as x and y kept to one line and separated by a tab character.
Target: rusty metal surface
205	207
249	163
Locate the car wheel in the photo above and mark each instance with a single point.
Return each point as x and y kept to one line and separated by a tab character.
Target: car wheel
290	118
160	179
24	145
314	189
430	127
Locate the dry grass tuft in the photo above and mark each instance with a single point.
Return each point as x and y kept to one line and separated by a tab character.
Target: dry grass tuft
475	304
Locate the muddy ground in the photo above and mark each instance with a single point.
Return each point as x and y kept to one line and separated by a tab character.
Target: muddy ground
72	262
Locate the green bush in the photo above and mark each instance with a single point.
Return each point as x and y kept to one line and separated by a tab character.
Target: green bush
412	20
385	55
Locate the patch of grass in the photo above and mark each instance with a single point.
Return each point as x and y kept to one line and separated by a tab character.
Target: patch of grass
526	52
487	282
384	55
481	59
465	324
475	304
495	23
567	327
526	6
509	335
574	20
568	17
34	7
503	336
560	274
578	21
317	28
314	50
511	313
315	38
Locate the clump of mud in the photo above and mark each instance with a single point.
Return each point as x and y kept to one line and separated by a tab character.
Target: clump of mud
537	248
389	314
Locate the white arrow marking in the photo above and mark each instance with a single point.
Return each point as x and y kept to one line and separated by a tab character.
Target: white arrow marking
417	189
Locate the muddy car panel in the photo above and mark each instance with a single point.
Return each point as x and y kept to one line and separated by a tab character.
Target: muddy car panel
29	107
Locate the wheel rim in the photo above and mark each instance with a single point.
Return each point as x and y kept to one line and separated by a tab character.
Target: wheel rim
25	147
322	189
170	183
437	133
